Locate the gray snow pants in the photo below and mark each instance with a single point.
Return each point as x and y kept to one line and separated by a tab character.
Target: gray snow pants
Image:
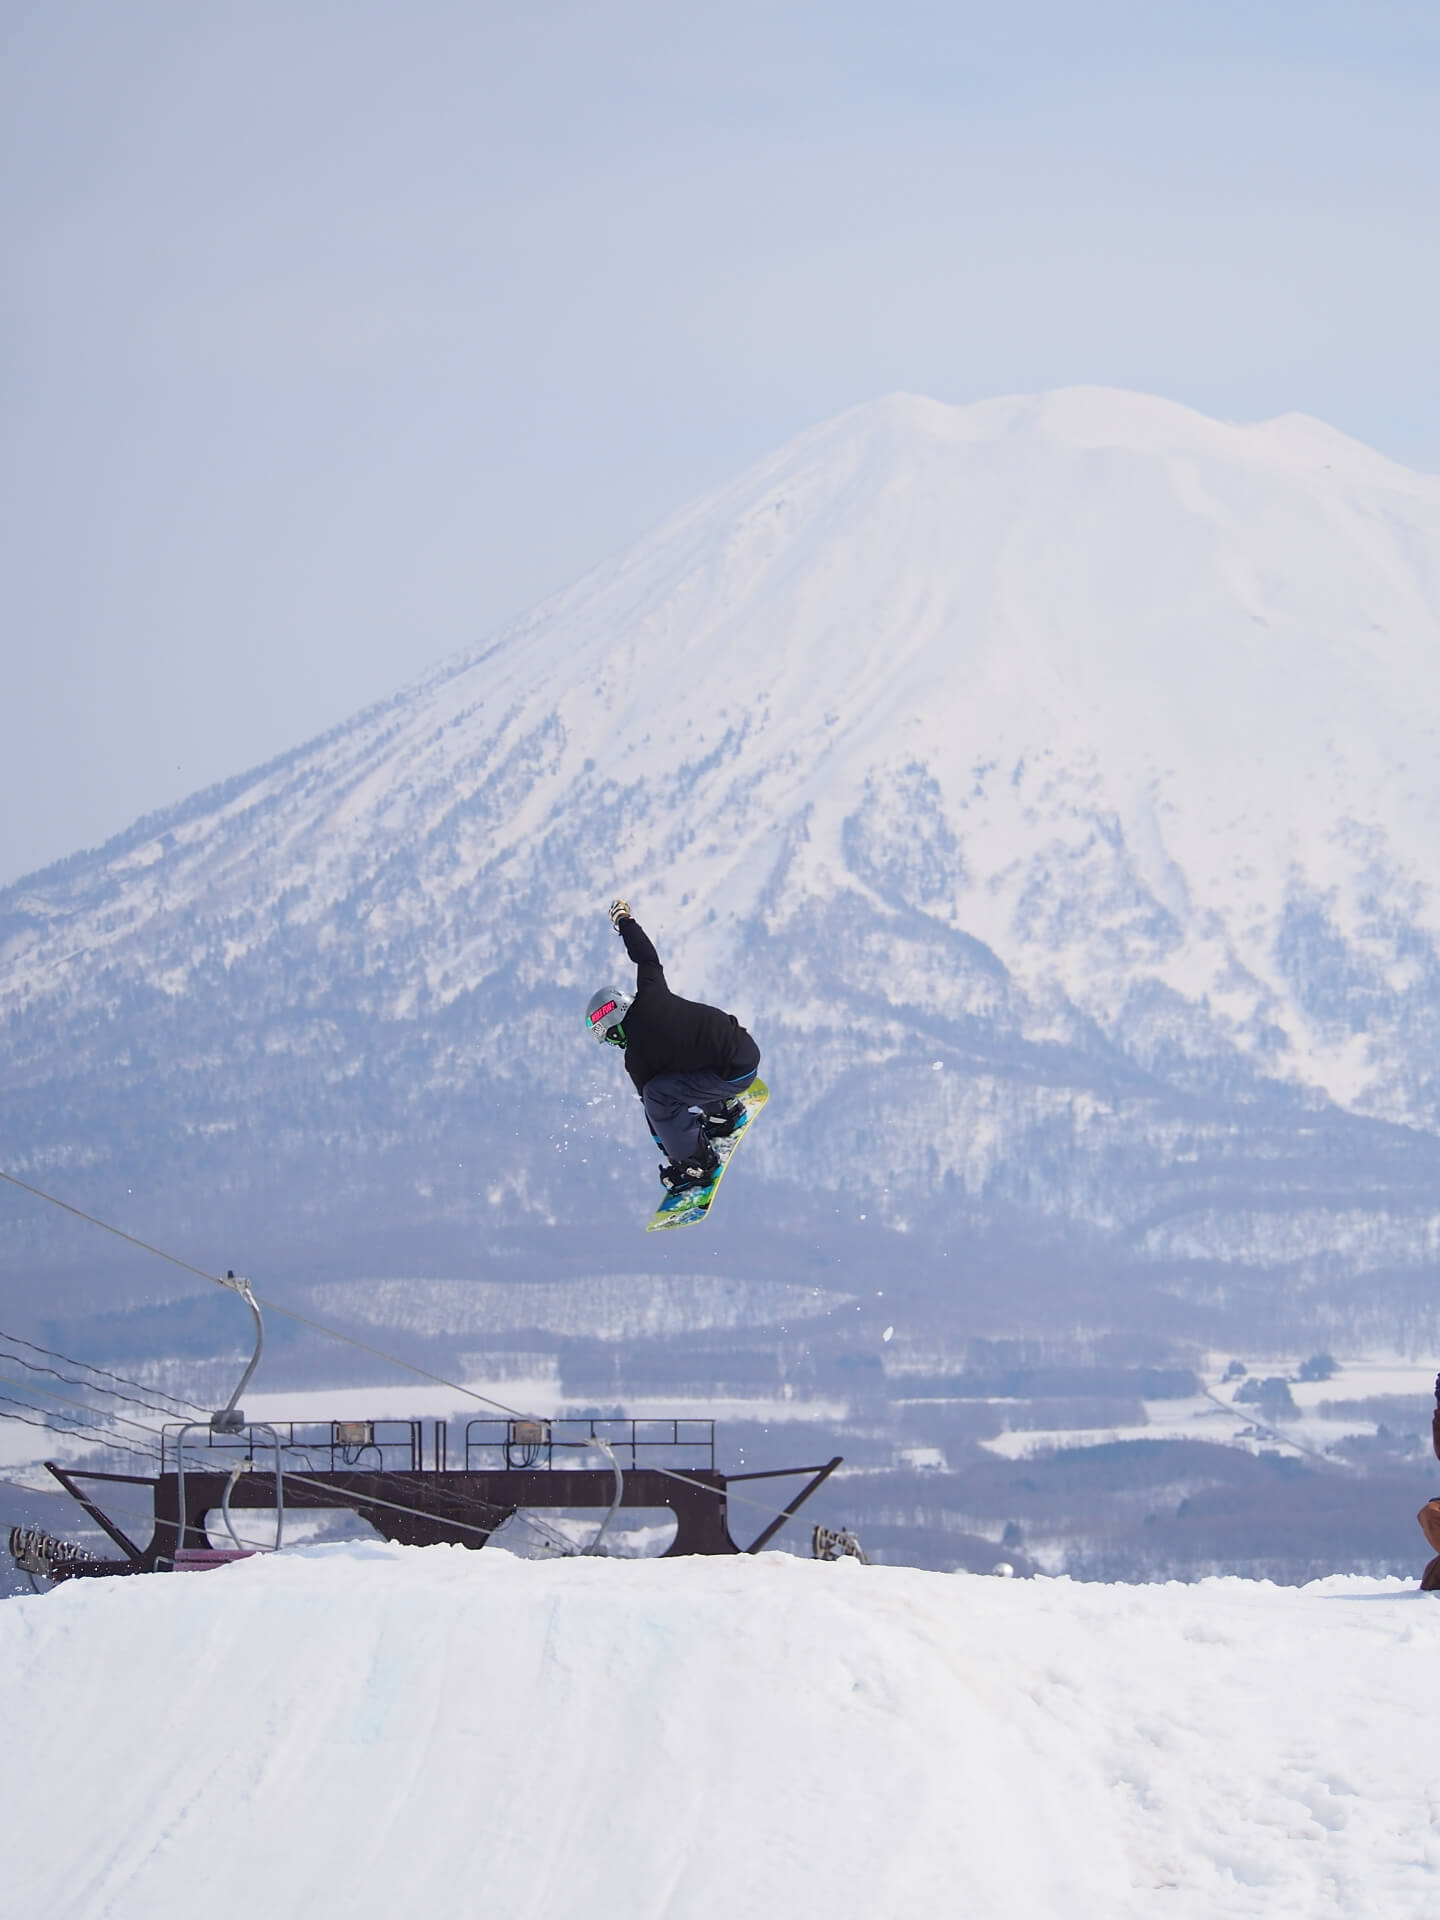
676	1103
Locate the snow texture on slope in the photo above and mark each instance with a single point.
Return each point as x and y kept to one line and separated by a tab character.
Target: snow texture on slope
371	1730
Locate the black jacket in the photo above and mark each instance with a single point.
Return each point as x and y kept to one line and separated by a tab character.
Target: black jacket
665	1034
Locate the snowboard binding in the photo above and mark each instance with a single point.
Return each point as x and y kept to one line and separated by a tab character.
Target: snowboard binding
696	1170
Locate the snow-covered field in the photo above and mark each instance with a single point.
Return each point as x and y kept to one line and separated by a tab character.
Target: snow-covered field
368	1730
602	1306
1327	1412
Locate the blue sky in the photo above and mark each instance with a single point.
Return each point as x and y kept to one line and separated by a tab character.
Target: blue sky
334	335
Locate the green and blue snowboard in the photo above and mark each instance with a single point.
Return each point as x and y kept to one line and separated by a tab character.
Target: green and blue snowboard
684	1209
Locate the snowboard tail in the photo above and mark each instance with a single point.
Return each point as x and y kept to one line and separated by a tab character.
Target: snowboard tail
685	1209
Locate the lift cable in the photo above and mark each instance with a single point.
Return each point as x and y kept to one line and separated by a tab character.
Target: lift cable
335	1333
73	1431
557	1541
140	1386
128	1509
115	1506
88	1386
155	1452
100	1413
274	1306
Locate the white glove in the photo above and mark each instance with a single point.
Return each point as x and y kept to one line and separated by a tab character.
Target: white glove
619	910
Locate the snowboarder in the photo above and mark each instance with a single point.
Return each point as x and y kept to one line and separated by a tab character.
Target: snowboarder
689	1061
1429	1514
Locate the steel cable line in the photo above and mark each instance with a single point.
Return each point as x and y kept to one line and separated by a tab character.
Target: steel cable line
335	1333
337	1505
156	1452
100	1413
127	1509
73	1431
124	1378
124	1509
130	1510
31	1366
54	1493
105	1227
274	1306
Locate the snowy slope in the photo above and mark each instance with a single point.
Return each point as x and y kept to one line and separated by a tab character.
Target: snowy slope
373	1731
1080	744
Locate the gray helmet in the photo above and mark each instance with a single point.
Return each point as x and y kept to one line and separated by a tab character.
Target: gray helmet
606	1013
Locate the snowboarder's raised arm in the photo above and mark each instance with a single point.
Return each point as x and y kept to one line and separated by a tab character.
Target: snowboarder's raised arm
638	944
1435	1420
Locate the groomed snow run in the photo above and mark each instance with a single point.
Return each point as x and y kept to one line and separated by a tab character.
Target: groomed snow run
366	1730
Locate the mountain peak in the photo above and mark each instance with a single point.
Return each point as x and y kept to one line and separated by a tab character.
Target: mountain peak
1073	720
1093	418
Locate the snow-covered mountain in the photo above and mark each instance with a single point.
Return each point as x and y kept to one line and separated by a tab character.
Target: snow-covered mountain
1049	783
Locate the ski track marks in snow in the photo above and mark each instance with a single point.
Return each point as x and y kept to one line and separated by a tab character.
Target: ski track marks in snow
373	1730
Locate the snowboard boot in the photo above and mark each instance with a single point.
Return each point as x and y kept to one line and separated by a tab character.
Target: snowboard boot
720	1126
697	1169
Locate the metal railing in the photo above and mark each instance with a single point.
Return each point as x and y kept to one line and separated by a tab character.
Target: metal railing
419	1446
527	1444
323	1446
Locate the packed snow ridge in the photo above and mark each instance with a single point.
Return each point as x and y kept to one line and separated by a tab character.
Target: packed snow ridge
371	1730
